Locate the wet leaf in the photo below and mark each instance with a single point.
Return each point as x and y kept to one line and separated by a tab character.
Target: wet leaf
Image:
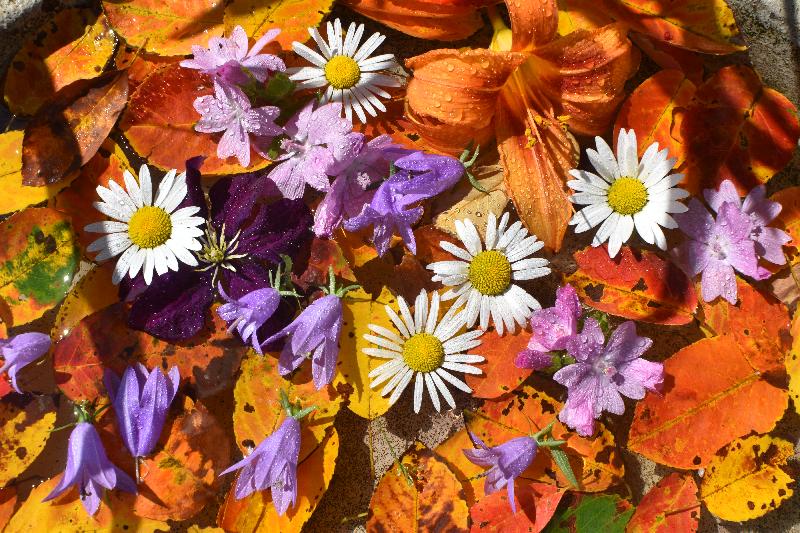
636	284
160	118
789	217
293	17
606	512
8	503
793	365
426	19
667	56
746	480
66	133
165	27
314	473
209	361
74	45
671	505
25	424
500	374
710	387
536	503
37	261
93	292
432	500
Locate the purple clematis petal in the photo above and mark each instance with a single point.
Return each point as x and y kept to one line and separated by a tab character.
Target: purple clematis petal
21	350
552	327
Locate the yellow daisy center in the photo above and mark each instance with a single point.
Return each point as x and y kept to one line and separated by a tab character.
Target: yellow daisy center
490	272
627	196
149	227
342	72
423	352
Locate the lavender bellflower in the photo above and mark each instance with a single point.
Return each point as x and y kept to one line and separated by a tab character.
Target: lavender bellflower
21	350
248	313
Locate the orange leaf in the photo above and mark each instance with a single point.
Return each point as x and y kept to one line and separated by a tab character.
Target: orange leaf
500	374
671	505
74	45
536	504
293	17
650	111
8	502
426	19
93	292
429	500
789	217
636	284
754	135
711	395
65	134
580	15
671	57
209	361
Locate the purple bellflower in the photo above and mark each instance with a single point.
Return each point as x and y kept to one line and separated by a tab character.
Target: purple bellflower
89	469
768	241
228	60
552	327
248	313
20	351
229	110
317	140
717	248
419	176
602	374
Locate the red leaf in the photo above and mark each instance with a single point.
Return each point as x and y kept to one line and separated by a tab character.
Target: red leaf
671	505
536	504
500	374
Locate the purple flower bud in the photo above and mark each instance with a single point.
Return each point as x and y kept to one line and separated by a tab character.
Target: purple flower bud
21	350
249	313
315	331
141	402
89	469
272	465
507	462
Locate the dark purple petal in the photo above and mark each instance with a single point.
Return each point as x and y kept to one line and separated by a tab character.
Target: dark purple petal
233	199
283	227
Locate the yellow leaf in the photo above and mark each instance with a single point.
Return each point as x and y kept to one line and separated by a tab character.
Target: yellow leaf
15	195
745	481
92	293
793	364
293	17
359	310
24	433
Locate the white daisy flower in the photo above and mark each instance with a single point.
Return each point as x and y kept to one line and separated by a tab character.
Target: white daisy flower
423	350
627	193
353	78
482	279
149	235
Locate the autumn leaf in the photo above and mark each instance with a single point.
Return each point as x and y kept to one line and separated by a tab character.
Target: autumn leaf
292	17
324	254
209	361
93	292
637	284
536	503
429	498
574	15
671	505
37	261
74	45
25	424
588	512
425	19
789	217
314	473
8	503
711	395
500	375
66	133
165	27
670	57
793	364
746	479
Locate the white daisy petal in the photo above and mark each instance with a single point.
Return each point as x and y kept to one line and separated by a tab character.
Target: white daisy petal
453	380
431	390
443	389
418	390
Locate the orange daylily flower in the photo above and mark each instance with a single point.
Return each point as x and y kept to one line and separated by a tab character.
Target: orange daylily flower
526	93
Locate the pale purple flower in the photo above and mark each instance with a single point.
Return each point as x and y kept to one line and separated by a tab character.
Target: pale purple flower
716	248
21	350
314	332
229	61
229	110
552	327
141	401
248	313
272	465
602	374
317	140
89	469
761	211
420	176
507	462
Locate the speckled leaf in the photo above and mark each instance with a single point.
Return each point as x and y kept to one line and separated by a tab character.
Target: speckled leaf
536	503
75	44
431	500
636	284
256	512
293	17
93	292
793	364
500	375
789	217
587	512
37	261
711	395
25	424
746	480
325	253
671	505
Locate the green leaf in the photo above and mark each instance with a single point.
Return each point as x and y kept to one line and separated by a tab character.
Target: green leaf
588	513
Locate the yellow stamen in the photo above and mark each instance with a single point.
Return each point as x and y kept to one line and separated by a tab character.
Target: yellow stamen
423	352
150	227
490	273
627	196
342	72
